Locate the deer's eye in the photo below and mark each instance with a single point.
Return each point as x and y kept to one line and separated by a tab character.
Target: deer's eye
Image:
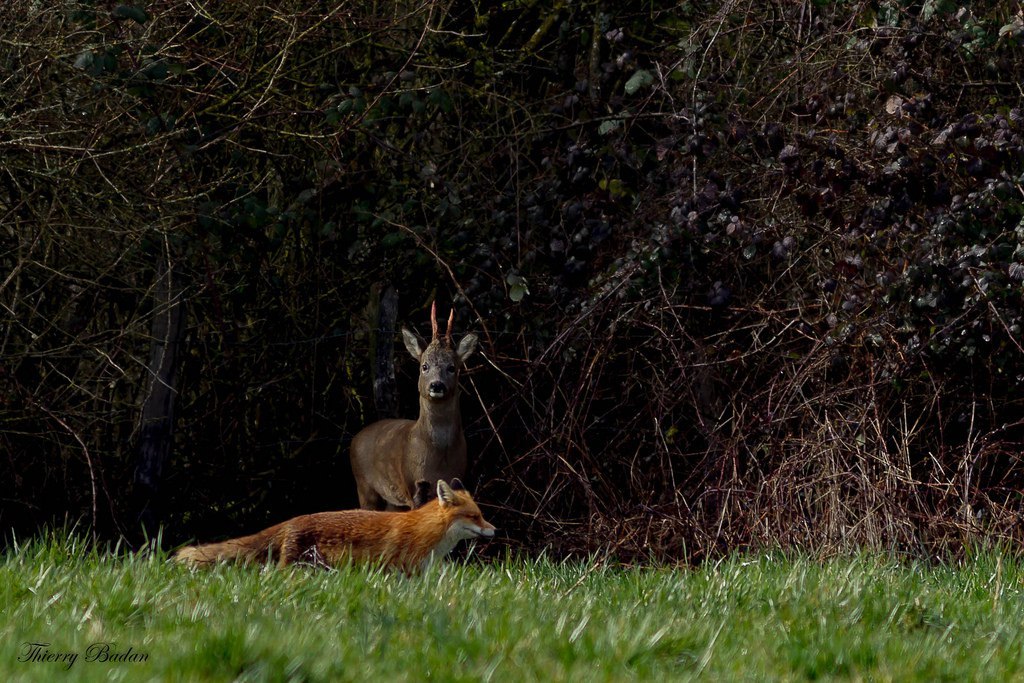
426	367
451	368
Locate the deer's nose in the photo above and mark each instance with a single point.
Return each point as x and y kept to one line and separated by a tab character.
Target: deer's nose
437	389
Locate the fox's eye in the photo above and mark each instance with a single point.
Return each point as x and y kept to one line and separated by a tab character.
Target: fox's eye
425	367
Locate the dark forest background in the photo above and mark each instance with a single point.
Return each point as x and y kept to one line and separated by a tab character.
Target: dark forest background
745	273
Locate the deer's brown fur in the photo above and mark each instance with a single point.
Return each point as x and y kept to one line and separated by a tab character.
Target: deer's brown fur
390	458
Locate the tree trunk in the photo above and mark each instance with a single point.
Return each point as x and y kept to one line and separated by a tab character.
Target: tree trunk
157	422
385	396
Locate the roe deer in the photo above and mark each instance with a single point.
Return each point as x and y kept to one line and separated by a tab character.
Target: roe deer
395	462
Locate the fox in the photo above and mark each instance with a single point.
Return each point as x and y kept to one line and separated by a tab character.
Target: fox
409	541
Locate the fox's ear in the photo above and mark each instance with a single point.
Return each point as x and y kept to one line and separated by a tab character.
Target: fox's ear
445	495
457	485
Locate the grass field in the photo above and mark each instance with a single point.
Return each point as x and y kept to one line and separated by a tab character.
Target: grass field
746	618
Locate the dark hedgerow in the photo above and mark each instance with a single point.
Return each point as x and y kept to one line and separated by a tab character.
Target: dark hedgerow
743	276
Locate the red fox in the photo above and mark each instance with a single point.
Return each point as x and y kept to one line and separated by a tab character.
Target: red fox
409	541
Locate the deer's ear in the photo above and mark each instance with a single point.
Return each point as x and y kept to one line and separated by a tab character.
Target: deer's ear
466	347
412	343
445	495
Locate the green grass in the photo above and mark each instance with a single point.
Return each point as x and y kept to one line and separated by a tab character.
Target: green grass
746	618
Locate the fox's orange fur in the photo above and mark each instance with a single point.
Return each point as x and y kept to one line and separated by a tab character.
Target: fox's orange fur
404	540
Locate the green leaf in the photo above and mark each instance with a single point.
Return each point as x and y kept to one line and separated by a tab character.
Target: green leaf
156	70
85	60
641	79
136	14
609	126
1012	30
96	64
517	287
392	239
614	187
440	99
932	7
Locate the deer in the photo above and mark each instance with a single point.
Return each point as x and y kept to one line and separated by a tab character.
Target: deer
397	462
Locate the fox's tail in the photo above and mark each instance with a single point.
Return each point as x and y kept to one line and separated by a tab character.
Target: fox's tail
255	548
